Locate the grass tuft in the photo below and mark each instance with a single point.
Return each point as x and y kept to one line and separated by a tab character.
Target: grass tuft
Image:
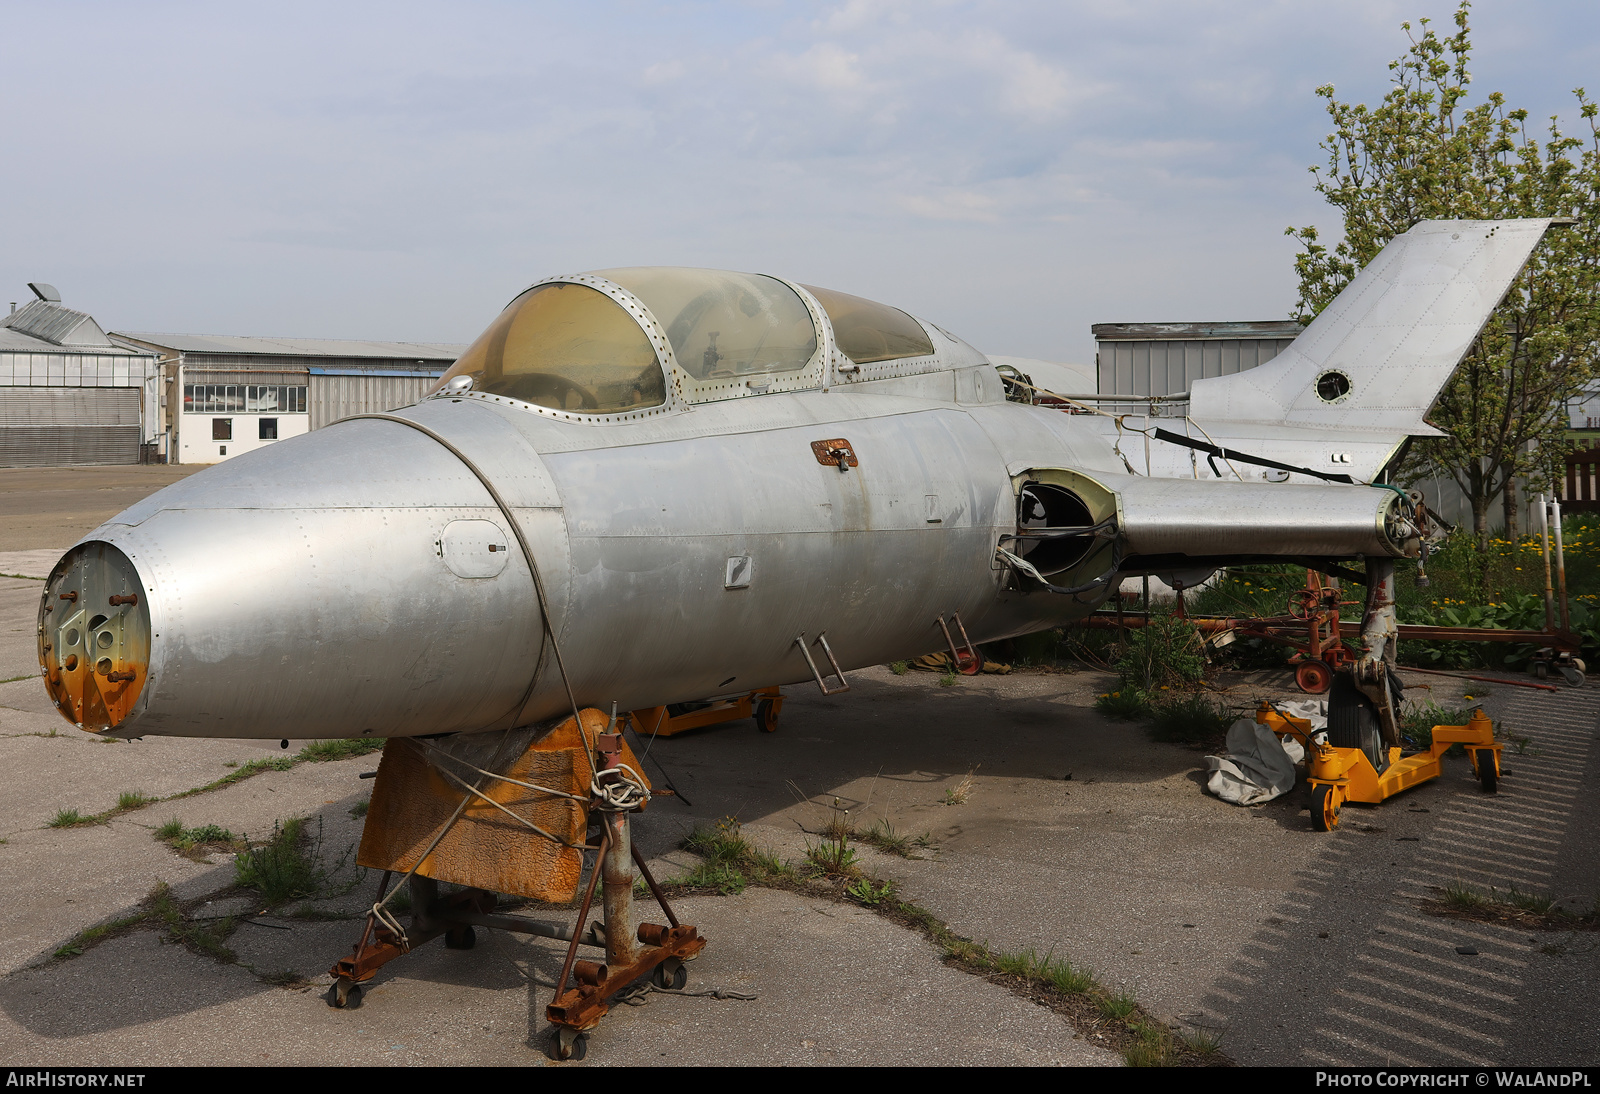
958	794
883	836
1119	1005
324	751
1126	703
1464	898
66	818
899	668
359	809
134	799
1190	719
284	867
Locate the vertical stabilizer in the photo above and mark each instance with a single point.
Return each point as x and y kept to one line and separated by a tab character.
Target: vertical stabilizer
1379	354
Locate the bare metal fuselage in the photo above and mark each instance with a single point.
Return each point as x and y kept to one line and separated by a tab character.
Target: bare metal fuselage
309	589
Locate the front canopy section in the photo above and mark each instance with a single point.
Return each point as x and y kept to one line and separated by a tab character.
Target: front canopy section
567	347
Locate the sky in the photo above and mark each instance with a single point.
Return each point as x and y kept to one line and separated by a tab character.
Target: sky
1011	171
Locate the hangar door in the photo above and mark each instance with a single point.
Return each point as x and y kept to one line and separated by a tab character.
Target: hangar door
56	426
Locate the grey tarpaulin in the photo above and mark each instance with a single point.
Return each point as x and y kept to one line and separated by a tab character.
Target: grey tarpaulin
1257	767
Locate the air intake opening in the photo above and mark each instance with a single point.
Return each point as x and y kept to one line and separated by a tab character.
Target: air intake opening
1047	517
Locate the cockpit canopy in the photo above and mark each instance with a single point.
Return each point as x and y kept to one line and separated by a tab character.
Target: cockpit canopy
573	346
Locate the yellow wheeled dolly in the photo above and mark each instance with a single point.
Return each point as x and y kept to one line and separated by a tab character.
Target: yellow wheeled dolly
762	705
1338	775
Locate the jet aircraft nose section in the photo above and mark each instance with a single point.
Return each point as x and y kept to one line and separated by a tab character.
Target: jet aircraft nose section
364	578
94	636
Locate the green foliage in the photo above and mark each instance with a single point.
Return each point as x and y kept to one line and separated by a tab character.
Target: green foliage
1417	722
883	836
206	938
1190	719
1424	153
947	680
323	751
1119	1005
1536	903
729	862
1152	1046
75	946
1125	703
899	668
865	891
833	858
359	809
284	867
134	799
1464	898
1166	652
67	818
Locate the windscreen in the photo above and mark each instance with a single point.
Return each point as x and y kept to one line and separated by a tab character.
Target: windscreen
567	347
866	331
724	324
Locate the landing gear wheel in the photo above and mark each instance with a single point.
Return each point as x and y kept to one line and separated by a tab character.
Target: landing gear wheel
570	1044
1353	722
670	974
1313	677
463	939
1324	808
766	716
1488	771
344	989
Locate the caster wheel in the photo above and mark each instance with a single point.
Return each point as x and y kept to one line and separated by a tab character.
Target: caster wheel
1313	677
671	974
344	991
766	716
463	939
1541	670
570	1044
1324	809
968	663
1488	770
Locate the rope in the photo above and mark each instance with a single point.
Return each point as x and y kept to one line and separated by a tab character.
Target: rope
493	775
624	794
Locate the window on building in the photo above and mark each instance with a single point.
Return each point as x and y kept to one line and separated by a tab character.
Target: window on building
269	429
243	398
222	429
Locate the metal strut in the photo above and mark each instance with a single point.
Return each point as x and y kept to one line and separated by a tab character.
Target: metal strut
832	660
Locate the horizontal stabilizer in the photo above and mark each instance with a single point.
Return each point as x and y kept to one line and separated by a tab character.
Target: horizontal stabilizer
1377	357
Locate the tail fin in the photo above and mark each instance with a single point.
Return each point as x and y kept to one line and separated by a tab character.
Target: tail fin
1380	353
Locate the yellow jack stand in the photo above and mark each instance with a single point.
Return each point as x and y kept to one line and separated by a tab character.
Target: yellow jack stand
762	705
1338	775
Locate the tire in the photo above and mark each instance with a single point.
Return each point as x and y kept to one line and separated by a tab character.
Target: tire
463	939
671	974
1353	721
1313	677
766	716
1488	771
1324	813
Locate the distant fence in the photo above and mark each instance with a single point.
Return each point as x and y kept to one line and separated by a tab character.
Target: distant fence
1581	491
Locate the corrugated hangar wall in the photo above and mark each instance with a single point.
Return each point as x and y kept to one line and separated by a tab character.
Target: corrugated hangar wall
55	426
335	397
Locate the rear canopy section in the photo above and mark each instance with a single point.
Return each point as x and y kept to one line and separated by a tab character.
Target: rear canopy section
94	636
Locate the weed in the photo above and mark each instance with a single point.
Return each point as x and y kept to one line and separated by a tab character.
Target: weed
92	935
838	827
171	830
1463	898
284	867
1417	722
67	818
1167	651
359	809
947	680
231	763
1152	1046
134	799
1126	703
883	836
1190	719
283	978
833	858
210	940
1119	1005
958	794
864	891
323	751
1203	1042
899	668
1531	902
14	679
729	862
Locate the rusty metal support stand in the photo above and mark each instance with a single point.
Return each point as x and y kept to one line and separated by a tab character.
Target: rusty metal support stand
648	950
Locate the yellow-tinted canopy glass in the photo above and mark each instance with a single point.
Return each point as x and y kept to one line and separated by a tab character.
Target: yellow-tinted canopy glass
866	331
568	347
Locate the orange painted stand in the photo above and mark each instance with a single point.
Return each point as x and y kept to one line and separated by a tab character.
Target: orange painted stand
762	705
1338	775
